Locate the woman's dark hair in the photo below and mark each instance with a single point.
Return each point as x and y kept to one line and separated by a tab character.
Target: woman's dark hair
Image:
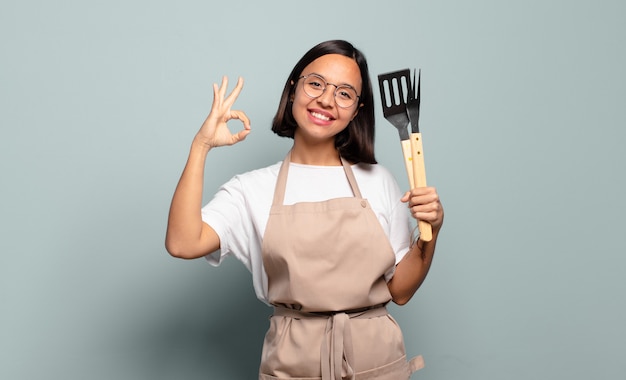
356	142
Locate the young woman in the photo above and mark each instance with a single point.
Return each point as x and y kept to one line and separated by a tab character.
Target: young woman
325	232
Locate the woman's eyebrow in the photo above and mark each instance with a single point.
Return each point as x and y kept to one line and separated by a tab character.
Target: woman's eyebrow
339	84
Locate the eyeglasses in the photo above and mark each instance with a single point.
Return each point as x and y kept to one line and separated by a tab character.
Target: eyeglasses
314	86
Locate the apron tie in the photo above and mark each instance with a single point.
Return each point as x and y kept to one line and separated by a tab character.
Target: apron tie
337	353
340	346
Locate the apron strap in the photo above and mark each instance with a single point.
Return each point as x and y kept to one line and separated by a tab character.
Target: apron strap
281	181
351	179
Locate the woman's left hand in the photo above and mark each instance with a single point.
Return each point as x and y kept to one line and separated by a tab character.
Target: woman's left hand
424	204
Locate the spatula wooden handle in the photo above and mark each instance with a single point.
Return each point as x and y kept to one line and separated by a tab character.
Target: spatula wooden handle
408	161
419	176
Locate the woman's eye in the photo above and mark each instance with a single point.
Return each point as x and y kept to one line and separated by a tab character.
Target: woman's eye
345	94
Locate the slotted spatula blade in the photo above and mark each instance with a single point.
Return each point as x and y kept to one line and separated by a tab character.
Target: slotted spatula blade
393	94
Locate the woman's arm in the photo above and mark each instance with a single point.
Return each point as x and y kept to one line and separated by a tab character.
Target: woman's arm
412	269
187	235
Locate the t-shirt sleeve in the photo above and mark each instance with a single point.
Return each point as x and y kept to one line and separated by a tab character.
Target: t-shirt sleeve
227	213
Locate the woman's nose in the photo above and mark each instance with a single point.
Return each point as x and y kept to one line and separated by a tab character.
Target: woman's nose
328	97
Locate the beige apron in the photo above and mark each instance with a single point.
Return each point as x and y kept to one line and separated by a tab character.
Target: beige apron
325	263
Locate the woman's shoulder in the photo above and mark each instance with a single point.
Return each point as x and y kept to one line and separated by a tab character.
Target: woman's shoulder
376	180
373	171
253	186
258	178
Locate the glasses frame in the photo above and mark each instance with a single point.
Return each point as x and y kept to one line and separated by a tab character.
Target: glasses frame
326	83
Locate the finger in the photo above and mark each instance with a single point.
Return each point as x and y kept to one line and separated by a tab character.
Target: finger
427	207
240	115
241	135
234	94
224	85
405	198
433	218
216	92
419	196
417	191
430	218
221	90
421	201
417	210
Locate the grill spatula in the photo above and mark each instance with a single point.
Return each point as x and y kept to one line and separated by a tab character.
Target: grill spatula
393	87
401	109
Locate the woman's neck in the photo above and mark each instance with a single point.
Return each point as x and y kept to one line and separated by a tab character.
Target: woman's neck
319	155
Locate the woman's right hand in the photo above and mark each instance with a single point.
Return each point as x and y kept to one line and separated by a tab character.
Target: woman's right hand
214	131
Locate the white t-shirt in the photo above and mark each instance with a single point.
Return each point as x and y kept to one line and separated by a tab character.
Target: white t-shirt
240	209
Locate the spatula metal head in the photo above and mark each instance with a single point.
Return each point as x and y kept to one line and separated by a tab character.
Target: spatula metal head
413	102
394	87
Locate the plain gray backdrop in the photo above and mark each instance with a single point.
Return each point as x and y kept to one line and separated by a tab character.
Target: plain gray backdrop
523	121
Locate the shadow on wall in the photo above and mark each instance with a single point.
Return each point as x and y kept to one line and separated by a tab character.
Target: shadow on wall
212	327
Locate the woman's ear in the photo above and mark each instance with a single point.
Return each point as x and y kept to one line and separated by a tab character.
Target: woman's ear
292	92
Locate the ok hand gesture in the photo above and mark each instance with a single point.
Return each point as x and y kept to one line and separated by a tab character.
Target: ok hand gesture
214	131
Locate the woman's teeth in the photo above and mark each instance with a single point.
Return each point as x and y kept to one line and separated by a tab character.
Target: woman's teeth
320	116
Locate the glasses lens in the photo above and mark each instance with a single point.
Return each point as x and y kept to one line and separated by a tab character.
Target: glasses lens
345	96
314	86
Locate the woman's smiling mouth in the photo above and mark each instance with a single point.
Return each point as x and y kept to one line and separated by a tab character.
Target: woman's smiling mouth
321	116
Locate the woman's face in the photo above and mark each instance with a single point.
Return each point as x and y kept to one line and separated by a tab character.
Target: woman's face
320	118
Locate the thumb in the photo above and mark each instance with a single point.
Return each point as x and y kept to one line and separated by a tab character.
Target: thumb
406	196
241	135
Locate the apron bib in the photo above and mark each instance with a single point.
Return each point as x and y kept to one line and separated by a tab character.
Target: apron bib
325	263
